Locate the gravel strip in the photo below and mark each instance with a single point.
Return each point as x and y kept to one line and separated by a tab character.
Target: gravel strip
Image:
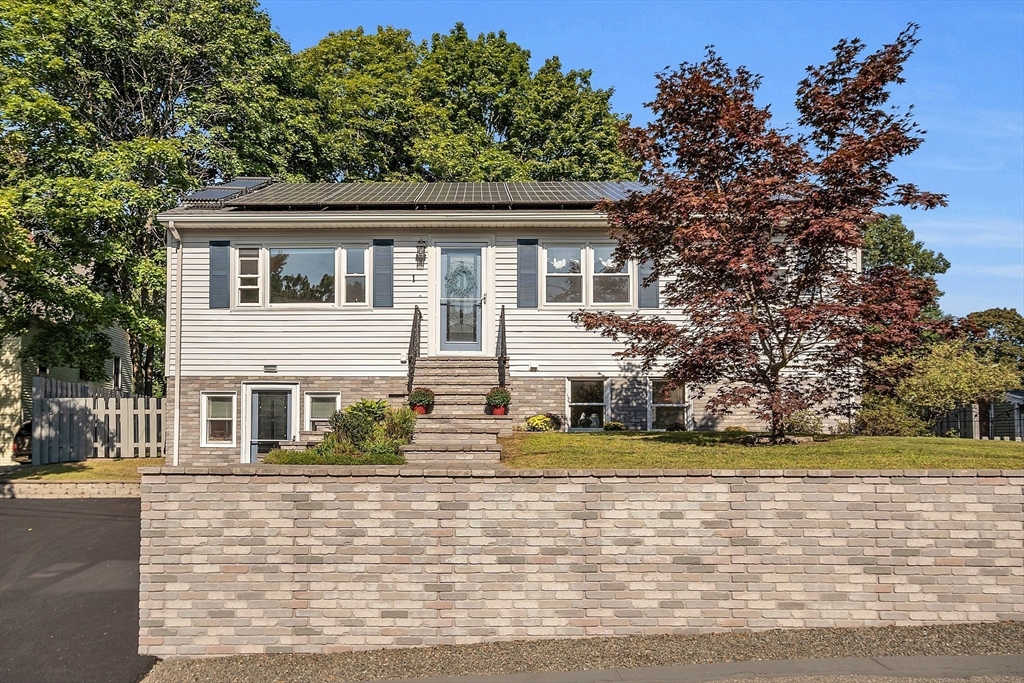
581	654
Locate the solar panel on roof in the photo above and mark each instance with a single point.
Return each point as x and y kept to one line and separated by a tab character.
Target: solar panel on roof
287	194
212	194
357	194
464	193
246	183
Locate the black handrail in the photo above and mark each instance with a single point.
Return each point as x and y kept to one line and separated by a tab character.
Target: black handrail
502	350
414	344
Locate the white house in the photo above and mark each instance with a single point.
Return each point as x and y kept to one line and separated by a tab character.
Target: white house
289	300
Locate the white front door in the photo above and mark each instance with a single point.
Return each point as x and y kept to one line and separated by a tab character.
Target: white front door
462	299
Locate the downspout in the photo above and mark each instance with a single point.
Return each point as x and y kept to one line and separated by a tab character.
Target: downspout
177	340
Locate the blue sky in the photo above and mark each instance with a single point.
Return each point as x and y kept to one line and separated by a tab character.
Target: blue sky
966	81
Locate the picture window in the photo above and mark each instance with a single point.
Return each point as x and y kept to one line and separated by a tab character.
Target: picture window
302	276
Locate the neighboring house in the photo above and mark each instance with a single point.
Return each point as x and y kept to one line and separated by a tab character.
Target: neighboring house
16	376
992	420
297	299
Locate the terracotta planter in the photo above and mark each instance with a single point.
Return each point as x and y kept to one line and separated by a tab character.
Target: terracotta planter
420	410
498	410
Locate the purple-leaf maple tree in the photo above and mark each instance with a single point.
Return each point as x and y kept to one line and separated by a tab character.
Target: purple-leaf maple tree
754	232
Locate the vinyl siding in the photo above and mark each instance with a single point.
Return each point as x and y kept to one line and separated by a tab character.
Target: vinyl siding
360	340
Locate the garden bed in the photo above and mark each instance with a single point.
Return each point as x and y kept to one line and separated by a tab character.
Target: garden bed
715	450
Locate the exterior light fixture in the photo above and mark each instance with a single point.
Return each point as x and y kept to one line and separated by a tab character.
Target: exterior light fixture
421	254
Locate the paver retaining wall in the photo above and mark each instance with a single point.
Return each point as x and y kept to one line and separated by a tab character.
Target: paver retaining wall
69	489
301	559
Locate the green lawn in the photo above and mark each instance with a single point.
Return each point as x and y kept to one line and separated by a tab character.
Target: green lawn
708	450
99	469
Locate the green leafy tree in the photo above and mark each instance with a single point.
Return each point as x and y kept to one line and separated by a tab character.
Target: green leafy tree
997	333
109	111
456	109
953	375
888	242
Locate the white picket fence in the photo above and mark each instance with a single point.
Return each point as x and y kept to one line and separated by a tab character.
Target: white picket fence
73	421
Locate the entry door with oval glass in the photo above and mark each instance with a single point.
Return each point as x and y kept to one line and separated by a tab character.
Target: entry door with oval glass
462	299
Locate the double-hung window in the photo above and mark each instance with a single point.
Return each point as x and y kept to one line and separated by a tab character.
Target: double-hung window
564	275
668	405
249	285
218	417
355	275
586	403
586	276
320	407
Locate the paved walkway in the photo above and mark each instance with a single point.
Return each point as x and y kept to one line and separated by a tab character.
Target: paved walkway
998	667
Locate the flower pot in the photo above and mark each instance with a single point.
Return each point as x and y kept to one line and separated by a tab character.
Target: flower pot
420	410
497	410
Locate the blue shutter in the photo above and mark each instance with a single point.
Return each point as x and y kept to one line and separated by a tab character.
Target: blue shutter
527	274
648	296
383	274
220	275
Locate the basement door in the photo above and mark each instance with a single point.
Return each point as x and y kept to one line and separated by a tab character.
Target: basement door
271	421
462	299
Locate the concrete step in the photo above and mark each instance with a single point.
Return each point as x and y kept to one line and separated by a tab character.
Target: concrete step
459	442
453	447
461	427
415	457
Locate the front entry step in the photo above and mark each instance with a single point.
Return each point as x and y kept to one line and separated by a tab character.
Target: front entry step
459	426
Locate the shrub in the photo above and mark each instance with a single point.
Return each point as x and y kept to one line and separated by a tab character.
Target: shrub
499	396
371	409
556	419
421	396
400	423
803	422
384	447
735	429
614	427
880	416
676	427
540	423
357	428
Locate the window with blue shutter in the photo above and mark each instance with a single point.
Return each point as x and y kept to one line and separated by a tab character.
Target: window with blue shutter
527	279
220	275
648	296
383	273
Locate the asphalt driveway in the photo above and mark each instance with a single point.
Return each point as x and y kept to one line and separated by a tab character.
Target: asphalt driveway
69	591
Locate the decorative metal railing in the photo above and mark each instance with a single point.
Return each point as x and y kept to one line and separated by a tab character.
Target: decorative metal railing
502	350
414	344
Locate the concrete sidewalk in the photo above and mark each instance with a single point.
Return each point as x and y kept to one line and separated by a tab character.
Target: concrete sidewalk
1000	667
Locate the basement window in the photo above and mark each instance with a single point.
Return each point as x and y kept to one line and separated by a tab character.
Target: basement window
218	420
587	398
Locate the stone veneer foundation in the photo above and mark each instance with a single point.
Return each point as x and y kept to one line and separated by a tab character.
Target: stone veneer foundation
250	559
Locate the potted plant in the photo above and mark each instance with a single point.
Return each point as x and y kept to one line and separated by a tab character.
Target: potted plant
498	399
421	400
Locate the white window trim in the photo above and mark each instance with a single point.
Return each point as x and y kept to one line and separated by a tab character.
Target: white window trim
340	267
236	276
587	273
307	405
569	404
304	305
686	405
203	443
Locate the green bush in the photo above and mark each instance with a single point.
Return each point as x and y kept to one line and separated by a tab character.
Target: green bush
677	427
382	447
803	422
735	429
400	423
540	423
357	428
421	396
880	416
556	419
614	427
371	409
499	396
